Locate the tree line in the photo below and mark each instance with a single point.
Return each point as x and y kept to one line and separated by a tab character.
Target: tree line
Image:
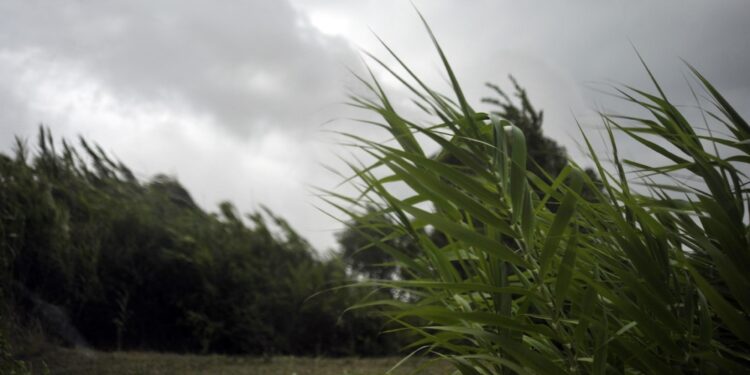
139	265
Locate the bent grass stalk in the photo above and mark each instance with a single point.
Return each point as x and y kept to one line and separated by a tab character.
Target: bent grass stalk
625	282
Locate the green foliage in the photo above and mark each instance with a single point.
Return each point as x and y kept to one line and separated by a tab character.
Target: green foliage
546	158
140	265
363	257
8	363
646	279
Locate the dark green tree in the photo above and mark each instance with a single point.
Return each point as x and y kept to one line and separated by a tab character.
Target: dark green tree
365	257
139	265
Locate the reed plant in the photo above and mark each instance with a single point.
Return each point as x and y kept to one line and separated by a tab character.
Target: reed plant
645	273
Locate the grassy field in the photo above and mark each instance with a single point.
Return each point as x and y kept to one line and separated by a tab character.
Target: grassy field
67	361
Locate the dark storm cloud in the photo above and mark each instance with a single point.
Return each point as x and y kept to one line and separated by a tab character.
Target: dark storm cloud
228	95
247	65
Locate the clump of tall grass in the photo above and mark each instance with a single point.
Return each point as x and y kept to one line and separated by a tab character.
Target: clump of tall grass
531	277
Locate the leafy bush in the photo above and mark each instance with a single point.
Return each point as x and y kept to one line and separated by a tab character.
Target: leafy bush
620	273
123	264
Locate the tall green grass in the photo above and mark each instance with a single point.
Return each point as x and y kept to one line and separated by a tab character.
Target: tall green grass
533	278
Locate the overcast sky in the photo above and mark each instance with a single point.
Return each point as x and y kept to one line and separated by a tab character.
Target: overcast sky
231	97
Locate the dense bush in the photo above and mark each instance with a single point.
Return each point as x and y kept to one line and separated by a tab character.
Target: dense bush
140	265
641	269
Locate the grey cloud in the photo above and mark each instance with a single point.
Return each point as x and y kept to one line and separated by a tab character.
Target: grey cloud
167	72
13	119
249	64
564	52
258	67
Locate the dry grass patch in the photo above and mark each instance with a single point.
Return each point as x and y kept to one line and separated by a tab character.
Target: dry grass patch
67	361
